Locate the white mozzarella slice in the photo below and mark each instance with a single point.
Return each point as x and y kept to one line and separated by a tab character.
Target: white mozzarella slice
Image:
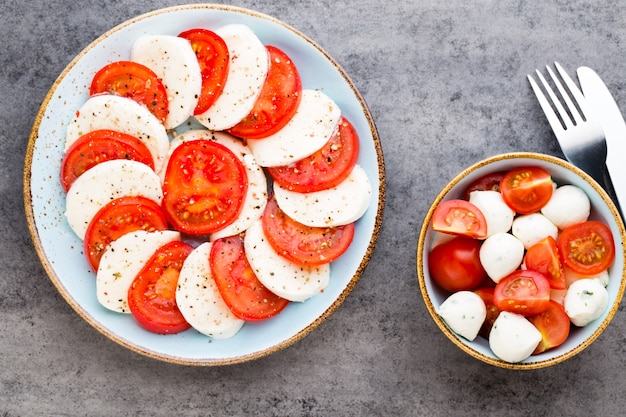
337	206
247	71
513	338
309	129
531	228
173	60
501	254
464	312
124	115
105	182
199	300
280	276
498	215
567	206
585	301
122	261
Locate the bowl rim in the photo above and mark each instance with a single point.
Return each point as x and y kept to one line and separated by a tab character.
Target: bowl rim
463	344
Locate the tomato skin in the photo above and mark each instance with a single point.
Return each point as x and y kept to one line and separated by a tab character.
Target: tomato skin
324	169
99	146
213	58
460	217
587	248
204	187
526	189
236	281
544	257
152	295
133	80
278	101
118	217
523	292
455	265
554	326
488	182
486	293
301	244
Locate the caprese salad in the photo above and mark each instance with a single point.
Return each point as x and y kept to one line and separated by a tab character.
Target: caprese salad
209	188
521	261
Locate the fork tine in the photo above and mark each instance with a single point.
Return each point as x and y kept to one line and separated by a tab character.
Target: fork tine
551	115
573	88
573	110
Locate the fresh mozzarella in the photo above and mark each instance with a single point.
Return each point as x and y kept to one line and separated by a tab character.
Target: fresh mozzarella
501	254
280	276
513	338
464	312
122	261
173	60
531	228
571	276
311	127
247	71
340	205
124	115
105	182
585	301
498	215
199	300
567	206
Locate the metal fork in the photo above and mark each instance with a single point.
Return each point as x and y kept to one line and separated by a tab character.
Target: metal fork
580	136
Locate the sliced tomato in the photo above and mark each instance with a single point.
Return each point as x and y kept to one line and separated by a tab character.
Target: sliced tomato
587	248
544	257
460	217
237	283
325	168
488	182
99	146
455	265
133	80
118	217
213	58
523	292
526	189
278	101
152	295
554	326
304	245
204	187
486	293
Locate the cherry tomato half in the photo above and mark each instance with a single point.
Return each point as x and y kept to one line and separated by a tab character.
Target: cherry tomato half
241	290
460	217
554	326
455	265
587	248
324	169
133	80
152	295
488	182
544	257
527	189
523	292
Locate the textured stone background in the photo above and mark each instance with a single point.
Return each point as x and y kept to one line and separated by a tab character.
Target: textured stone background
446	83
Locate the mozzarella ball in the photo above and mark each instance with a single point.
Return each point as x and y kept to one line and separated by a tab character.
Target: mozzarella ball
498	215
571	277
513	338
532	228
585	301
567	206
501	254
464	312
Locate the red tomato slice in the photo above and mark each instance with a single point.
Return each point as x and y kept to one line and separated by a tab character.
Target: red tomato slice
455	265
118	217
523	292
99	146
278	101
204	187
133	80
486	293
241	290
460	217
152	295
324	169
544	257
213	58
304	245
554	326
527	189
488	182
587	248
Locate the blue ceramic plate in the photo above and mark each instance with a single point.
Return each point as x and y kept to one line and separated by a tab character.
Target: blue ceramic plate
61	251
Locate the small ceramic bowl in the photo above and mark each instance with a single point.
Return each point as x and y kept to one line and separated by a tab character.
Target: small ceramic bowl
602	209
